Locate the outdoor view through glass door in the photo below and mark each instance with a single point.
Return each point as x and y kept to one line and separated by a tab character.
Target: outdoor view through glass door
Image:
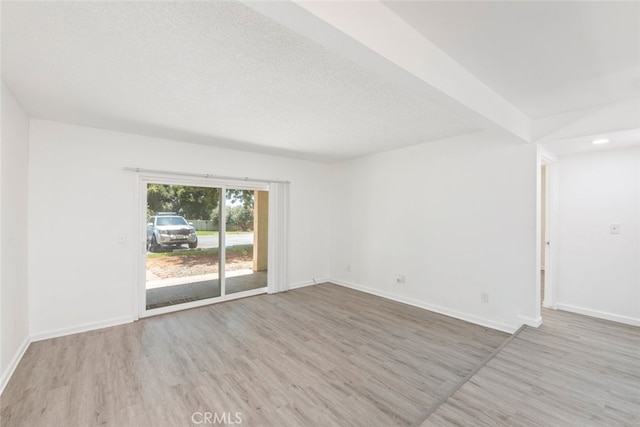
183	259
246	240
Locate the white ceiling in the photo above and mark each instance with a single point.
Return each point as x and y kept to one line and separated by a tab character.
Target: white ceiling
543	57
617	140
224	74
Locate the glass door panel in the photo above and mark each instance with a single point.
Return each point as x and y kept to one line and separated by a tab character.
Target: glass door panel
246	240
183	255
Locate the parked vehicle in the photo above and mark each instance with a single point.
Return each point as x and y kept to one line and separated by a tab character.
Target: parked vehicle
168	230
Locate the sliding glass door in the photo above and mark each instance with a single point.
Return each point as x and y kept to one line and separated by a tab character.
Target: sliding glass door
203	243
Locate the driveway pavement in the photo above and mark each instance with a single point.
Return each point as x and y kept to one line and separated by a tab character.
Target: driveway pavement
233	239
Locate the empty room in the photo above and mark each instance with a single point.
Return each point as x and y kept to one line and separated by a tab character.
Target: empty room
292	213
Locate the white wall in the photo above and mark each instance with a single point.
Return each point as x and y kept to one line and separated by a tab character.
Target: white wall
598	273
80	199
457	217
14	326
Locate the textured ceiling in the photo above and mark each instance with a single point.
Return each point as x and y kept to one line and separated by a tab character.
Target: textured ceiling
207	72
543	57
224	74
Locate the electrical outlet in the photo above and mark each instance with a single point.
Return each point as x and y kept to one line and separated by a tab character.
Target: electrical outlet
400	279
484	296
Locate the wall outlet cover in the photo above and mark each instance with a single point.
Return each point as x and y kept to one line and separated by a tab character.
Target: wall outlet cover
484	296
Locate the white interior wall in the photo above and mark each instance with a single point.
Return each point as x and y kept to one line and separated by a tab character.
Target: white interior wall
598	272
14	319
81	200
456	217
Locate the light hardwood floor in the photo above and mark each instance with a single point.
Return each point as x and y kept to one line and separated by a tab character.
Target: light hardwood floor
329	356
322	355
572	371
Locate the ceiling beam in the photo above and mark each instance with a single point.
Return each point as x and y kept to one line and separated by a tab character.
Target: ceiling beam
597	120
372	36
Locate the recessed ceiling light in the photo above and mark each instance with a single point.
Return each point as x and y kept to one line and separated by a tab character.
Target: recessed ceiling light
600	141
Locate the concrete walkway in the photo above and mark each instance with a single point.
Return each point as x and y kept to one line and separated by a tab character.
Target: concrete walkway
165	292
154	281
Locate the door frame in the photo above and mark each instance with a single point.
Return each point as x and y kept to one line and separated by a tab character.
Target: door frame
146	178
550	218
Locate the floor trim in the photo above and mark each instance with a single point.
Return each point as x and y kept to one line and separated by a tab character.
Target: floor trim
599	314
436	309
8	373
531	321
82	328
462	382
307	283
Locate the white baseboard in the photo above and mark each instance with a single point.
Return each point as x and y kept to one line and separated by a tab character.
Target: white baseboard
600	314
531	321
437	309
308	283
81	328
6	375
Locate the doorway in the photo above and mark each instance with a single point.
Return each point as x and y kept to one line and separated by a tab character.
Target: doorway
543	227
547	250
205	242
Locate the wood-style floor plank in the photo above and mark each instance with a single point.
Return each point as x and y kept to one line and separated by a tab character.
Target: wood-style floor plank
572	371
329	356
322	355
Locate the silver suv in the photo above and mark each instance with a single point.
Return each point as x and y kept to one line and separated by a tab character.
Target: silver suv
168	230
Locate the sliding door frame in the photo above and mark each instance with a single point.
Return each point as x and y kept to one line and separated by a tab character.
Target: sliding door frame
171	179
